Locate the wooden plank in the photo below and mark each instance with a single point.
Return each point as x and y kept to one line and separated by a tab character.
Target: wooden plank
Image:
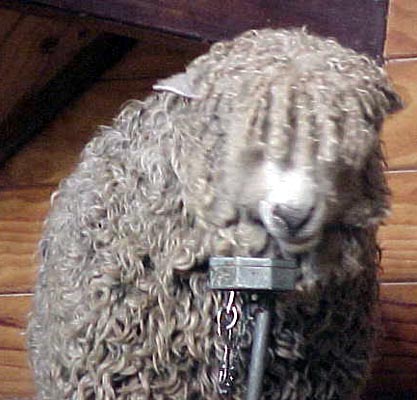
157	56
400	130
15	376
401	29
31	115
349	21
53	153
33	52
394	369
21	215
399	236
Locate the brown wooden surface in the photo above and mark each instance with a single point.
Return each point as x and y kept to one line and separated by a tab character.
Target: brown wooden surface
21	214
357	23
33	114
155	57
395	368
52	154
45	63
31	52
402	29
400	130
399	236
15	376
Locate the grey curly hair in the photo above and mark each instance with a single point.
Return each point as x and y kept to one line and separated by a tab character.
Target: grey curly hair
267	146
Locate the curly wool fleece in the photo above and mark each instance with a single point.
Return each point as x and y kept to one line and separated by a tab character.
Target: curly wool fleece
122	309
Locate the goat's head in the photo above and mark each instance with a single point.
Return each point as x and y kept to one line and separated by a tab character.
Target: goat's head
298	119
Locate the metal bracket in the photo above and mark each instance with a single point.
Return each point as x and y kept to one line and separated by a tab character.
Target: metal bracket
247	273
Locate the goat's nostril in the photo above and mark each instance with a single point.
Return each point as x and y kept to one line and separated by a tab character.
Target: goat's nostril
294	218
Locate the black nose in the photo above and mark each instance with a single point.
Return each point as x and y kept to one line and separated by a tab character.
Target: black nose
294	218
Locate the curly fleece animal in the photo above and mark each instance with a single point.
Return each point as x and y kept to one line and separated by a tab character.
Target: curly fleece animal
266	146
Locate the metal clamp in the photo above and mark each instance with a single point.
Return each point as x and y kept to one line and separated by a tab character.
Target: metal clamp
246	273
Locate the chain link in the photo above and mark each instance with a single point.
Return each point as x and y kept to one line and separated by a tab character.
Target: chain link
227	319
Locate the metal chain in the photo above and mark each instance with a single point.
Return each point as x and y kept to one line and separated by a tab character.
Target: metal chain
227	318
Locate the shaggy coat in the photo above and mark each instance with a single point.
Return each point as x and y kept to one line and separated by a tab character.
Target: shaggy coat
267	146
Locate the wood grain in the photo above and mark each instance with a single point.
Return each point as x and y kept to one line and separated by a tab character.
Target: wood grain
33	52
31	115
15	375
157	56
400	130
349	21
21	214
31	55
394	369
401	29
399	236
53	153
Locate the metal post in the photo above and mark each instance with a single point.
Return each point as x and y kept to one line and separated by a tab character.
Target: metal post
258	354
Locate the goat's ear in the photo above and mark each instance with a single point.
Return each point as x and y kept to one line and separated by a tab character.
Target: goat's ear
179	84
371	203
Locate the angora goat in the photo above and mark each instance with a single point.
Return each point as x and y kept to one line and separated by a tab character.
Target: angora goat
267	146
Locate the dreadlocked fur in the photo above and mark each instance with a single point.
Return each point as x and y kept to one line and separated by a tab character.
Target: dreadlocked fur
122	309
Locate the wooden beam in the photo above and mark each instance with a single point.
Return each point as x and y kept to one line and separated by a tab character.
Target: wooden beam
32	114
32	50
398	237
359	24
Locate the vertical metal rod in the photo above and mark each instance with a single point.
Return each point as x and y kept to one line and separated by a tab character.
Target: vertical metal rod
258	354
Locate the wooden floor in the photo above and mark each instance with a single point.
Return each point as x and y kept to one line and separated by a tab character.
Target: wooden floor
28	179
